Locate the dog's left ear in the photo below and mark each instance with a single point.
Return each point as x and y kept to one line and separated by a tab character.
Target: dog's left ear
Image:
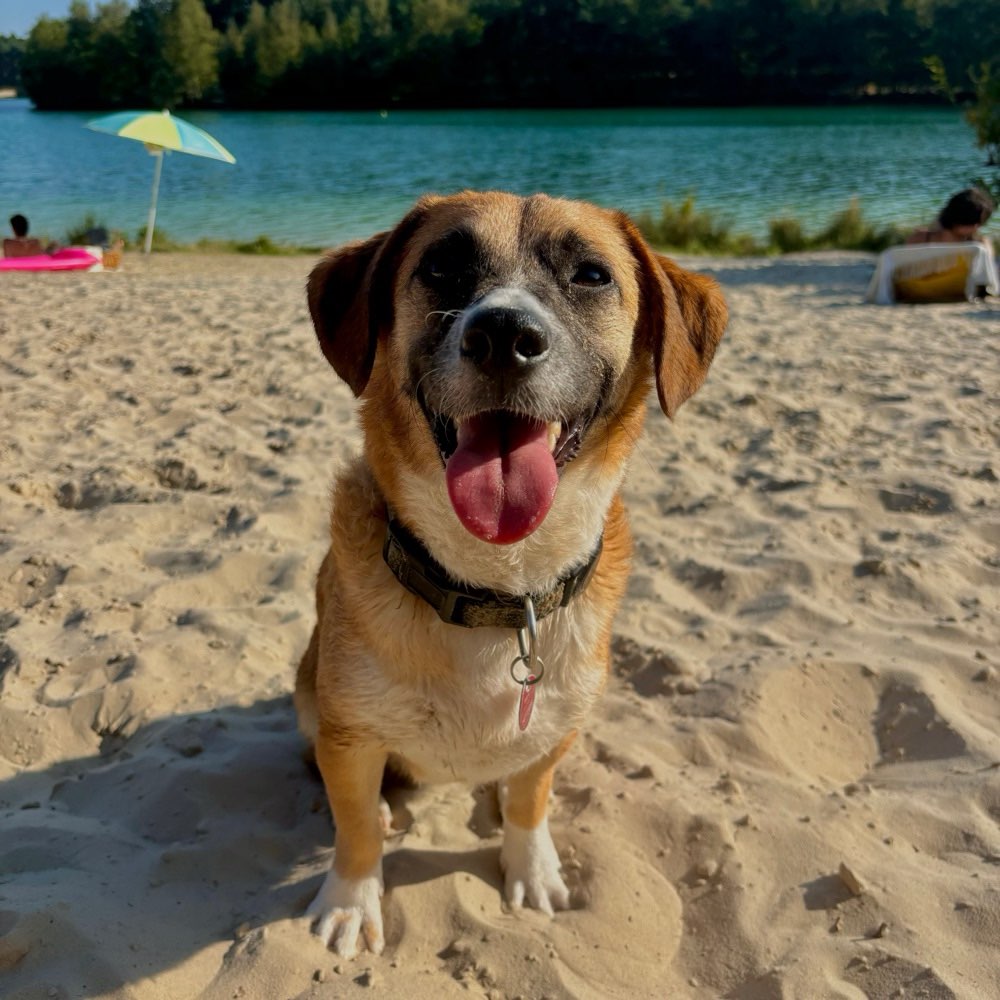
682	317
350	294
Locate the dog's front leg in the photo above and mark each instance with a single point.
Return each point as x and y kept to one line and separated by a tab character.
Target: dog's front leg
349	903
528	857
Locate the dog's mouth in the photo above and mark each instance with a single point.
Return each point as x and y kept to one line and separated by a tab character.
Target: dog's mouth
502	468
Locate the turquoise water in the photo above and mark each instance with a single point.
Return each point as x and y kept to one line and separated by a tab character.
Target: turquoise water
322	177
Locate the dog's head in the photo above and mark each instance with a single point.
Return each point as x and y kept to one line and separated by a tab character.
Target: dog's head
505	339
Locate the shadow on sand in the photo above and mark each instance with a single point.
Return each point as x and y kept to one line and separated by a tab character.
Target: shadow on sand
195	829
175	846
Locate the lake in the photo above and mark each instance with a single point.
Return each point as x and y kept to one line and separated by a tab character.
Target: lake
318	178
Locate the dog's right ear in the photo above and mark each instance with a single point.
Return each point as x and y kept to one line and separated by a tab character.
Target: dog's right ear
339	290
350	294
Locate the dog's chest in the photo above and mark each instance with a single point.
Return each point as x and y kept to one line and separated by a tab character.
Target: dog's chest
466	727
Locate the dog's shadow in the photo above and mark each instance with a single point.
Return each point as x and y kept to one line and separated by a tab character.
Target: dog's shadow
162	845
190	833
411	866
477	867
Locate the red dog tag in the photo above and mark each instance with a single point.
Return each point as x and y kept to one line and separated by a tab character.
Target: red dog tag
527	702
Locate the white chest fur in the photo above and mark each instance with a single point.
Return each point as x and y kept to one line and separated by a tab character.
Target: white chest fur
465	726
441	696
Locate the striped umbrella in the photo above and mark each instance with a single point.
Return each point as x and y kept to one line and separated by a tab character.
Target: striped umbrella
161	132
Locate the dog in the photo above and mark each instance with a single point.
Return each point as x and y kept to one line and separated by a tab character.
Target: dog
502	349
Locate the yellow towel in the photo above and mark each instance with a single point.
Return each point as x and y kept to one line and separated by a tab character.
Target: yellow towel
944	285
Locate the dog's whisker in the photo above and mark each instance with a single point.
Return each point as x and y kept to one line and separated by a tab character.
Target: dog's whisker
431	372
443	313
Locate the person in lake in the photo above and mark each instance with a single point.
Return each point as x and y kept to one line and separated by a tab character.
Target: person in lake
22	245
959	220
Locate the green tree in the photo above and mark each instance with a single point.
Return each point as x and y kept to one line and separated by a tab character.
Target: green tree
583	53
984	116
150	76
191	52
279	40
45	55
111	61
240	75
11	54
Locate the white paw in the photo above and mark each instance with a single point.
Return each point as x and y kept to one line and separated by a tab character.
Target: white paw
346	909
385	818
531	869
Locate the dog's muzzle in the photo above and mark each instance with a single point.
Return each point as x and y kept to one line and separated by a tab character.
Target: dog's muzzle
503	401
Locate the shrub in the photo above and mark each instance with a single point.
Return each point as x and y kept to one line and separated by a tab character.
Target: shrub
687	228
848	230
786	236
261	245
684	227
162	241
84	231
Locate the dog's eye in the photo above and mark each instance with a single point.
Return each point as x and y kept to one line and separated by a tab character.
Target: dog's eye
451	263
591	276
434	268
443	271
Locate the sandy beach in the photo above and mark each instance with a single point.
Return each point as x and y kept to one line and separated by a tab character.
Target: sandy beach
791	789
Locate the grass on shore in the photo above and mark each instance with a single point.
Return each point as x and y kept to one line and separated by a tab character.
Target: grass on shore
687	228
86	230
261	246
680	226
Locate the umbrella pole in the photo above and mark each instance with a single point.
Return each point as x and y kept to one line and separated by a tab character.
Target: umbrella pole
151	221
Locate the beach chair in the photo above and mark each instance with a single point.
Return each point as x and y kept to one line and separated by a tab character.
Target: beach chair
933	272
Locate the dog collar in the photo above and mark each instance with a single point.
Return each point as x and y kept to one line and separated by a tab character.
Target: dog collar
472	607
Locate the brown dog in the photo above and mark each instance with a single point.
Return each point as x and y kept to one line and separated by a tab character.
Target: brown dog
503	349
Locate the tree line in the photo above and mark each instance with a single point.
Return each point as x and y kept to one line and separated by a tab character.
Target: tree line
497	53
11	52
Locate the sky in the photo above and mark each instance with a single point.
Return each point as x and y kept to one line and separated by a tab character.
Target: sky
18	16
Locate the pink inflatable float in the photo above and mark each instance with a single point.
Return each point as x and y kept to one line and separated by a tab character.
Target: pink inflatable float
69	259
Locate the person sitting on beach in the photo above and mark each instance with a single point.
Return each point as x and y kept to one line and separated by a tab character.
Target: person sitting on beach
959	220
22	245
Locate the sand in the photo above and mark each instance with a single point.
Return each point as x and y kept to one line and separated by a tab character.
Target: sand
792	787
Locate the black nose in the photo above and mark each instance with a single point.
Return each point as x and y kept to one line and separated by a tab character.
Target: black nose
501	339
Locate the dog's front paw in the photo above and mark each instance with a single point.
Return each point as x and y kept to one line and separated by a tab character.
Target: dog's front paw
531	869
345	910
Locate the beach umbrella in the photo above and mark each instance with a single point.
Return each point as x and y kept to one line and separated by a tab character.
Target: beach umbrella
161	132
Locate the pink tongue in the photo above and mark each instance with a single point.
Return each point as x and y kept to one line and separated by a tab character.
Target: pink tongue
502	478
